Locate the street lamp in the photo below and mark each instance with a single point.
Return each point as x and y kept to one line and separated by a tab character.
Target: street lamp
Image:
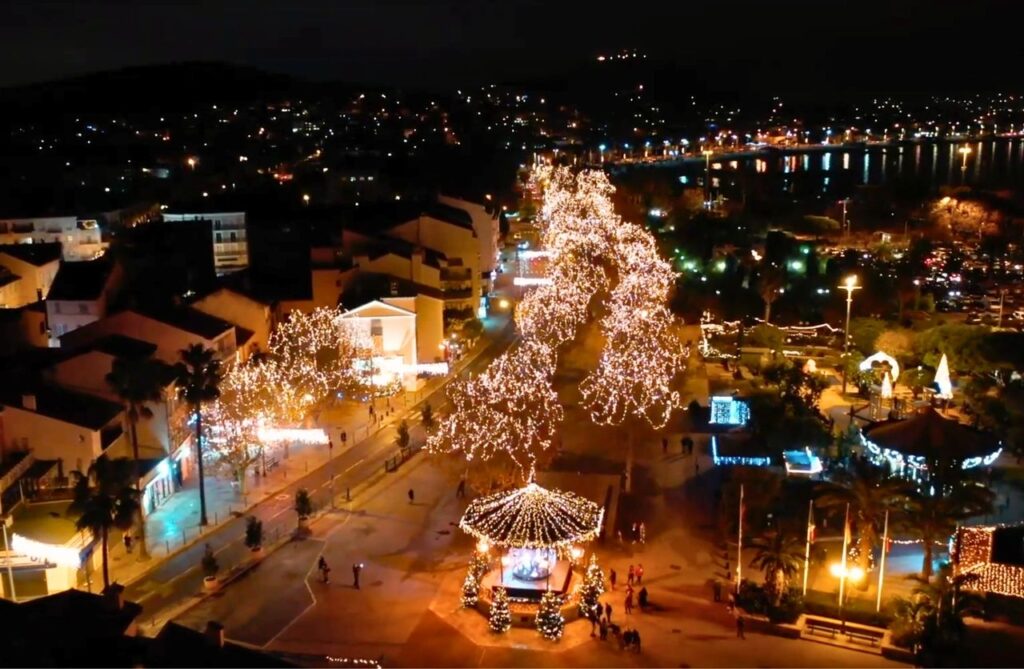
707	175
964	151
192	161
845	573
305	199
849	285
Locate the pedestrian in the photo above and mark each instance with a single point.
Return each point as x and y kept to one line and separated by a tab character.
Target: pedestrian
324	569
643	532
639	573
626	639
330	446
642	598
630	575
618	536
593	623
356	568
608	612
460	492
664	445
412	496
739	627
731	603
604	629
612	576
636	640
717	588
629	602
127	542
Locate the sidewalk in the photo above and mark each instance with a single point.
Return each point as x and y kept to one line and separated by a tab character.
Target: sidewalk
175	525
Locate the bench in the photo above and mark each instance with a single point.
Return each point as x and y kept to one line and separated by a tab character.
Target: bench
863	635
273	462
813	626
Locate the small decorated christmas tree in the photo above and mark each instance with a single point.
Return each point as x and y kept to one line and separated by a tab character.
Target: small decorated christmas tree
501	618
591	589
550	622
474	575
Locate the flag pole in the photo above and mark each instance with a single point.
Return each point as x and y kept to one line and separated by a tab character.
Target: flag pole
807	548
739	546
842	574
881	565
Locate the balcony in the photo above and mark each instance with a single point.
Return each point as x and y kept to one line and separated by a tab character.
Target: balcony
456	274
458	293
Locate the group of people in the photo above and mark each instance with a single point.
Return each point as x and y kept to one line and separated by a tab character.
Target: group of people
325	572
601	625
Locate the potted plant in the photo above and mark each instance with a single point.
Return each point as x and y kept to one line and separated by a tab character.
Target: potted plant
210	569
304	509
254	534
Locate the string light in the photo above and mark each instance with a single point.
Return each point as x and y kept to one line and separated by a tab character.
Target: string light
532	517
973	556
550	622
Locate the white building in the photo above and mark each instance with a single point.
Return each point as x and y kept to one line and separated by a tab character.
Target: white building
227	231
407	335
487	229
26	273
81	239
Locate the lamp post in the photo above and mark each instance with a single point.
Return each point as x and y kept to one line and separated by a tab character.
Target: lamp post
845	573
707	177
849	285
845	201
964	151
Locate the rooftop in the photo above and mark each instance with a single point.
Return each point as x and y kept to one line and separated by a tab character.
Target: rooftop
33	254
81	280
80	409
369	286
929	434
180	646
190	320
122	346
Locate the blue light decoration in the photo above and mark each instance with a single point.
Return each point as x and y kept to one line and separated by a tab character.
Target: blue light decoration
729	411
801	462
743	460
915	467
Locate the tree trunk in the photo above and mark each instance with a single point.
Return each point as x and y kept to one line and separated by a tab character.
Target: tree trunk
767	312
106	570
630	454
240	477
926	568
143	551
199	456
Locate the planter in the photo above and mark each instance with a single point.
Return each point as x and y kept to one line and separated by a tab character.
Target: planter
210	583
303	522
257	552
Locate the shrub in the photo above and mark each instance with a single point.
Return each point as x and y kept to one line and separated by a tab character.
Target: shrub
253	532
209	563
303	503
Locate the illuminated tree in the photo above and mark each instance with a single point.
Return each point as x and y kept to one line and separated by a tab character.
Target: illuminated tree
248	401
550	622
591	589
471	586
500	619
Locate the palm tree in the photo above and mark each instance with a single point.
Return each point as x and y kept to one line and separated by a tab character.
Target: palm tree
933	518
779	556
137	382
870	494
112	502
768	286
198	378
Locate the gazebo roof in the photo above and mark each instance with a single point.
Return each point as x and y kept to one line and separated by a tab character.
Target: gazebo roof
927	433
532	517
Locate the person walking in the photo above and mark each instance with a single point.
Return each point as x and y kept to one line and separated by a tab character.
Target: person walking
412	496
636	640
593	623
629	601
325	571
608	611
128	542
739	627
356	568
612	576
630	575
639	573
642	599
604	629
460	492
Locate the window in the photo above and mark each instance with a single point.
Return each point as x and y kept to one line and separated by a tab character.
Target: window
376	327
233	237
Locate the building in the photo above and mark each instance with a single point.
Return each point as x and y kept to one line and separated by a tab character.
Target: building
23	328
66	427
407	335
240	308
170	330
80	239
228	236
180	646
73	628
487	227
80	294
35	268
991	558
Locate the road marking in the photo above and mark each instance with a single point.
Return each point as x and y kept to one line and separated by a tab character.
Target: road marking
354	465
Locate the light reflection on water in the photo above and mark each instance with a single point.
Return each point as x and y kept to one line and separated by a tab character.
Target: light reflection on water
928	165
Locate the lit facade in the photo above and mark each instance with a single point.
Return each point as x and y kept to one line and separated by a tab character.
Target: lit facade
81	239
228	235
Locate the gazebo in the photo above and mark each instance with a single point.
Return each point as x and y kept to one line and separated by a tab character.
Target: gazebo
908	445
539	529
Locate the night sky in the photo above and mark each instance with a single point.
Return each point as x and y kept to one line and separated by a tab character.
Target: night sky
792	45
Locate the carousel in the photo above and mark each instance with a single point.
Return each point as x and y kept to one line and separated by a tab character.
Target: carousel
537	533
